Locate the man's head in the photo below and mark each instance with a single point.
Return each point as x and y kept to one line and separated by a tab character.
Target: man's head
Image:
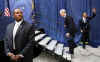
63	12
18	14
84	14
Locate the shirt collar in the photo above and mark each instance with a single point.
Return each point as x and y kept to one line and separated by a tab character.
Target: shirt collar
19	22
84	18
65	16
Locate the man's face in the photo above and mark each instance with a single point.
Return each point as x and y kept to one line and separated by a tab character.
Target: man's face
63	13
85	14
18	15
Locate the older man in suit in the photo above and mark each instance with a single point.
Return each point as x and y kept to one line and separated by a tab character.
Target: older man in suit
70	29
19	39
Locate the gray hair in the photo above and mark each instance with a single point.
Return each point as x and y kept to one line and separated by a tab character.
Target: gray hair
62	10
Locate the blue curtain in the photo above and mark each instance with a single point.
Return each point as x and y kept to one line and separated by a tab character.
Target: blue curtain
95	25
4	21
47	12
1	5
25	6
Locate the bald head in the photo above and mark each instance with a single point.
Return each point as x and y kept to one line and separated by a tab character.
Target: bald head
18	14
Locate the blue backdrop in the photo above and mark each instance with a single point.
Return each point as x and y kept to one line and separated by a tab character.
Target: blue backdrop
48	16
47	13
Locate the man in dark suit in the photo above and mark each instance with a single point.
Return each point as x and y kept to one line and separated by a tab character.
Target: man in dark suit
85	26
70	28
19	39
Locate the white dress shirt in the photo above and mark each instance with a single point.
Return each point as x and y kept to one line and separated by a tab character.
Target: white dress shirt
84	20
16	26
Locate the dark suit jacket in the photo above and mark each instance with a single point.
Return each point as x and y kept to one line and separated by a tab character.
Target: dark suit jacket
70	25
24	39
86	26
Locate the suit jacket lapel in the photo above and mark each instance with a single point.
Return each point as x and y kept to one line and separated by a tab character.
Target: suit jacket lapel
12	27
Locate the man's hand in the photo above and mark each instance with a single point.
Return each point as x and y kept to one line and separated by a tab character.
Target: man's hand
12	56
15	57
68	35
19	56
65	25
81	30
94	10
